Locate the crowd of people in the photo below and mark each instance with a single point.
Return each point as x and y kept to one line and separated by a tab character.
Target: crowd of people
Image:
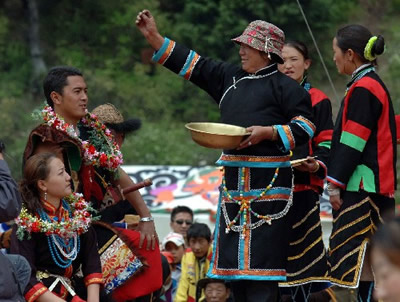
73	239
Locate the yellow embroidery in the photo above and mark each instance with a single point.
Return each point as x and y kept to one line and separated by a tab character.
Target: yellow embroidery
306	250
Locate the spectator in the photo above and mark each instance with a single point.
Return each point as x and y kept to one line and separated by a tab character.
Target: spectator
385	257
174	245
15	270
215	290
181	220
195	263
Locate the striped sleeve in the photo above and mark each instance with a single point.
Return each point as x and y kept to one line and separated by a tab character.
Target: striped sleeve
210	75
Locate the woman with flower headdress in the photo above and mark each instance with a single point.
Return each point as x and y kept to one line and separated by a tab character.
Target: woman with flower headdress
362	164
53	232
250	238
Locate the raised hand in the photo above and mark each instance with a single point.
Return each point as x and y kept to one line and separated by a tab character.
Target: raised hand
146	23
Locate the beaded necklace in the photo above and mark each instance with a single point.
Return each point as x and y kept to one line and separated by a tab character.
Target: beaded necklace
358	76
63	250
77	222
245	205
100	150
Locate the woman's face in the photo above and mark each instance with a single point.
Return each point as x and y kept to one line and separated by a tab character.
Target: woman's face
252	59
387	277
58	183
294	64
339	58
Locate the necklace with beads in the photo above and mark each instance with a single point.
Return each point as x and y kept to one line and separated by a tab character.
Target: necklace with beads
100	150
245	206
76	218
63	250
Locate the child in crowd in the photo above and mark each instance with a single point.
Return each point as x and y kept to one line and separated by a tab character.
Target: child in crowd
173	247
195	264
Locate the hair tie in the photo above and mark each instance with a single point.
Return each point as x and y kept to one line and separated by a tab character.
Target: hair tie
368	49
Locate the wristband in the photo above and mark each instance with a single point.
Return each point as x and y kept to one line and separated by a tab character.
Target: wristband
274	133
146	219
316	169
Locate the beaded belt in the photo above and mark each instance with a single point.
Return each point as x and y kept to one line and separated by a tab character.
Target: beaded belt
253	161
66	282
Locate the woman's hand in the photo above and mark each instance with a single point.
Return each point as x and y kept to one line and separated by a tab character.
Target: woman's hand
257	134
311	165
146	23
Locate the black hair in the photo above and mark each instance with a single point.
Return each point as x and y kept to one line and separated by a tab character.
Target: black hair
356	37
300	47
387	239
36	168
180	209
199	230
56	80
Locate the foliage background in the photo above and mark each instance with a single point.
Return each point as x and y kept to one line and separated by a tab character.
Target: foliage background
99	37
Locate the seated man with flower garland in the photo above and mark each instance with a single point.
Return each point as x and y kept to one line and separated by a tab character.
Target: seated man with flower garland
93	159
54	233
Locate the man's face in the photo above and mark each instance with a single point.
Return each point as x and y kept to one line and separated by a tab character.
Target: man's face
181	223
176	251
71	104
216	292
199	246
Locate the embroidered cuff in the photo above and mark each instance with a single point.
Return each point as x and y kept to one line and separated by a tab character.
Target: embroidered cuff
35	292
286	135
95	278
162	55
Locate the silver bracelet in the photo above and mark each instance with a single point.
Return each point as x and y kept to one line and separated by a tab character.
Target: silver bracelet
333	191
146	219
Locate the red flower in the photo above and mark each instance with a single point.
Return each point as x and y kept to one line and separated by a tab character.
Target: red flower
35	226
92	149
103	159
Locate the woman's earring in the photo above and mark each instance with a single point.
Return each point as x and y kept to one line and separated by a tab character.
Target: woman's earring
45	196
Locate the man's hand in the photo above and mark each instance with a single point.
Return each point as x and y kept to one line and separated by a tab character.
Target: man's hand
147	230
146	23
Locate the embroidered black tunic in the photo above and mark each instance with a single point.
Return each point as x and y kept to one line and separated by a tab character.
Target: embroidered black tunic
250	246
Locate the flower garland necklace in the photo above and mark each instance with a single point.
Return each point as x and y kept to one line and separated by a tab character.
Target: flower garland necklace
76	224
107	155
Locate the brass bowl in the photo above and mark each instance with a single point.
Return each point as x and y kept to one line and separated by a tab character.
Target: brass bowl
217	135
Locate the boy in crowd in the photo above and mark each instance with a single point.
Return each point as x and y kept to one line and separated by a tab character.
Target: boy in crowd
173	247
195	264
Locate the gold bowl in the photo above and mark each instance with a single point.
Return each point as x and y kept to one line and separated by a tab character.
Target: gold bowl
217	135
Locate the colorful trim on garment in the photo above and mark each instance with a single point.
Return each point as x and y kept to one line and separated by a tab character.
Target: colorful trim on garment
254	161
305	124
95	278
286	136
35	292
189	65
162	55
323	136
336	182
243	272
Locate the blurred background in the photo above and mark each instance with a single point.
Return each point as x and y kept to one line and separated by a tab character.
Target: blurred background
100	38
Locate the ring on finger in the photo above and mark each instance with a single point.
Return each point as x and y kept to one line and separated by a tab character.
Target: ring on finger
249	143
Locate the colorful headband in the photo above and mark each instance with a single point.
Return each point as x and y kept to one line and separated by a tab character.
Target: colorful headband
368	49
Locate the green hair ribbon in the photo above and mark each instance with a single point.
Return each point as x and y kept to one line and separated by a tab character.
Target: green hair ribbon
368	49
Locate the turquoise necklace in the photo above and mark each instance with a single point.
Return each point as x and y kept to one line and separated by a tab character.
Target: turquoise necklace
63	250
